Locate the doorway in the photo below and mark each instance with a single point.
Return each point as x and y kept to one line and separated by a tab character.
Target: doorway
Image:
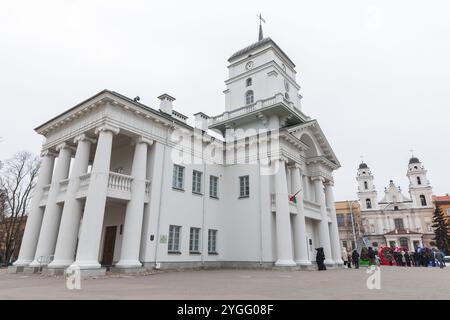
108	246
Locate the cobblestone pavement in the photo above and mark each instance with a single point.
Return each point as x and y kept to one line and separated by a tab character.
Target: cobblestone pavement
396	283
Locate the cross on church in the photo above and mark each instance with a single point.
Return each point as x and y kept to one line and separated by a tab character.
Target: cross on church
261	19
412	152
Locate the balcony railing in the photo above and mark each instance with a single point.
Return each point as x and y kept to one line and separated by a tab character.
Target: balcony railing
278	98
119	182
119	187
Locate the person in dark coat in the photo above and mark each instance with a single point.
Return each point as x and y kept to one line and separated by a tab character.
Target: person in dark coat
320	258
355	259
371	256
408	259
416	257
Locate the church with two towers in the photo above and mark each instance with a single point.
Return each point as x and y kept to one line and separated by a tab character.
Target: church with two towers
397	219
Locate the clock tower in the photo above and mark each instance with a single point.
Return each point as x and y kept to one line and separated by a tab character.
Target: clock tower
258	72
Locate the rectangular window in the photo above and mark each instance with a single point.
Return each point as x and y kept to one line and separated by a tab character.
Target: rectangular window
244	187
212	241
398	224
196	181
213	182
194	240
178	177
174	238
340	220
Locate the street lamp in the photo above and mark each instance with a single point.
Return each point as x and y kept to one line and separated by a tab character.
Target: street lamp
350	204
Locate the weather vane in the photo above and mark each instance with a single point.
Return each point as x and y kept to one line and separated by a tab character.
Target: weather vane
261	19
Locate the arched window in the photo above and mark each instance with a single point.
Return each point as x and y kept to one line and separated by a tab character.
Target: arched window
248	82
423	201
418	180
404	243
365	185
415	167
368	204
249	97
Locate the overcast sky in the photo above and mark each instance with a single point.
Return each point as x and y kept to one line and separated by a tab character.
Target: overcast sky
375	74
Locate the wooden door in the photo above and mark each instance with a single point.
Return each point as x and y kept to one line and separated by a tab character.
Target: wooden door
108	245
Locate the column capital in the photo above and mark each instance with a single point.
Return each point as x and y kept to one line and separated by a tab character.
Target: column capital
64	145
48	152
296	166
314	178
142	139
83	137
329	183
107	127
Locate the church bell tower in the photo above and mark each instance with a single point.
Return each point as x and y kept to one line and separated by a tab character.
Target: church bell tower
367	193
420	189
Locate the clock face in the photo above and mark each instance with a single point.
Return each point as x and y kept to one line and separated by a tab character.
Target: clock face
286	85
249	65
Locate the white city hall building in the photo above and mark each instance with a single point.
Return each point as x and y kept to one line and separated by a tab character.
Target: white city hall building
116	189
397	220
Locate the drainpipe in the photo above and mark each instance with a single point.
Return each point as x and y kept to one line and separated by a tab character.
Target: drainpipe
161	193
203	207
260	211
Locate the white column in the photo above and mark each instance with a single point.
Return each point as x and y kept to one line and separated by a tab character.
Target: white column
283	221
324	233
71	215
34	220
132	230
289	180
94	210
300	242
335	242
52	214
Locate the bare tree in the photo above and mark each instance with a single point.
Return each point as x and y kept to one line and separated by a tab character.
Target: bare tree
17	180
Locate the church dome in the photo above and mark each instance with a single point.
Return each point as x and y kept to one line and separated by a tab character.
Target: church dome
362	165
414	160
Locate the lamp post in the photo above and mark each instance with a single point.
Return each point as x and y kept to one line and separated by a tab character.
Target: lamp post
350	204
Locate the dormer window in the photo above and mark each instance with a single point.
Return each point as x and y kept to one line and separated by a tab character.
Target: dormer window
249	97
418	181
248	82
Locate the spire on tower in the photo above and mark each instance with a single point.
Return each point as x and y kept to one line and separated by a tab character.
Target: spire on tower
261	19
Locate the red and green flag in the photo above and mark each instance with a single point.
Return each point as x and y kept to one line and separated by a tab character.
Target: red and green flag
293	198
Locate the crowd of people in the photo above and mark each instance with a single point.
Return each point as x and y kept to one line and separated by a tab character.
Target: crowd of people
422	257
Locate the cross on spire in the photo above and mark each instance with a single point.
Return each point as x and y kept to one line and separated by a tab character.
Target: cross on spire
261	19
412	152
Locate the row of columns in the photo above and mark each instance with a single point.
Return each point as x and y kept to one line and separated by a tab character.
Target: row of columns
54	231
328	233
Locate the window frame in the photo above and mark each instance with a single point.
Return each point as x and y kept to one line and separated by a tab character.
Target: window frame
176	177
214	186
423	200
212	239
194	240
249	94
174	234
197	177
368	203
397	225
244	186
248	82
